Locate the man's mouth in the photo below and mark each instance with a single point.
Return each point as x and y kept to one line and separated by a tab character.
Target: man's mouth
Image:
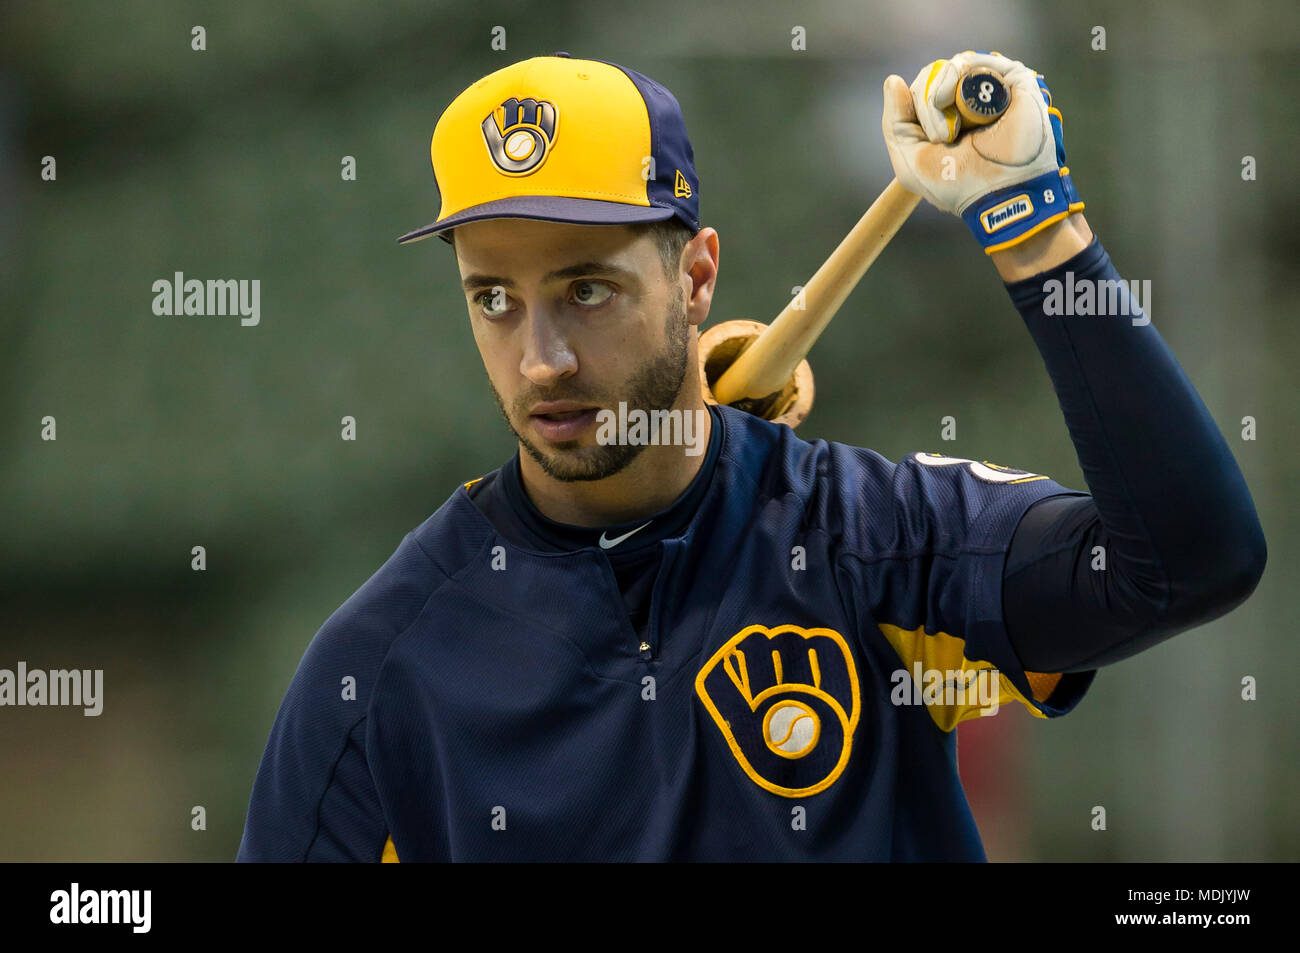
562	420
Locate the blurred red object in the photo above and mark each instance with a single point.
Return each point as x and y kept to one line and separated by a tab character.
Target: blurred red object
991	759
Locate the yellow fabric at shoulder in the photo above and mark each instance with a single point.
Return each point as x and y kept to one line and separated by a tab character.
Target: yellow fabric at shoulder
945	669
390	853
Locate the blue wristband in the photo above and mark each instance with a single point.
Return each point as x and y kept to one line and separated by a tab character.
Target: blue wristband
1009	216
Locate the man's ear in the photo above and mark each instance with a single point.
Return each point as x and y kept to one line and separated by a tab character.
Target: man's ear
701	254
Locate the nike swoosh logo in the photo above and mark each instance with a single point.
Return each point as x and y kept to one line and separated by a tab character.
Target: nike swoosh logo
611	543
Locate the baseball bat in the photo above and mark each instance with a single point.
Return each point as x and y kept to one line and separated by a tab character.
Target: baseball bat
765	376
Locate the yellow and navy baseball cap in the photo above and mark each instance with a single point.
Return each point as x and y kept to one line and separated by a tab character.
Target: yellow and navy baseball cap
561	139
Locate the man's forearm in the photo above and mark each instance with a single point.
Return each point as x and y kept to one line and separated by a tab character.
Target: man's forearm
1170	510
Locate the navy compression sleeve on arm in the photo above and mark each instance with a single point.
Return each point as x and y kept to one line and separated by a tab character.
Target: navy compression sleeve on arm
1182	541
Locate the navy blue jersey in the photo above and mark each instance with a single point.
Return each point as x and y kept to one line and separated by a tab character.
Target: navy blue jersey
786	707
631	547
772	667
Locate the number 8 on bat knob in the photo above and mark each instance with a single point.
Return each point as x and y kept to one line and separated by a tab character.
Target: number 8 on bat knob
981	97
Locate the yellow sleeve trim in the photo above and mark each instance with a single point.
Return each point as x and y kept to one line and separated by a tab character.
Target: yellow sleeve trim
390	853
1042	684
947	653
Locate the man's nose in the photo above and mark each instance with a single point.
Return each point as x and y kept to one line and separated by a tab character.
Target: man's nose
547	355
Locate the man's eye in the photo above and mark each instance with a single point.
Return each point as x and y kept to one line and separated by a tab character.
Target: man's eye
493	303
592	293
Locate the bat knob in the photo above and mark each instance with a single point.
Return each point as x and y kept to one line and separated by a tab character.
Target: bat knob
719	347
982	97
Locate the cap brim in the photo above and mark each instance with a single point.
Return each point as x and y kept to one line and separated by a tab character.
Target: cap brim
545	208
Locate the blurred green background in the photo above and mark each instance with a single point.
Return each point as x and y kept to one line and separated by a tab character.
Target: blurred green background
176	432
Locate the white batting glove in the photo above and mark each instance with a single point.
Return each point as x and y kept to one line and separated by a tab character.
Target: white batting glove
1007	180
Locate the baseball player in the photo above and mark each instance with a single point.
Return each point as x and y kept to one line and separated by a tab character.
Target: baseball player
707	638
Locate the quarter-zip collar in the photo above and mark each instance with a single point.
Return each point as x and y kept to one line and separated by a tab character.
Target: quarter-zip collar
631	538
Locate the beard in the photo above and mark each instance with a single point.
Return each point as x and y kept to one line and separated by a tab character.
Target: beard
655	385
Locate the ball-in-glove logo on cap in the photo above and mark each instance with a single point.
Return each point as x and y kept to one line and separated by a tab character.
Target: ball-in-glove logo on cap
519	134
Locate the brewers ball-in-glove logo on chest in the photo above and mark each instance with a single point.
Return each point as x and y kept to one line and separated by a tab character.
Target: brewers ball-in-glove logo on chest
786	700
519	134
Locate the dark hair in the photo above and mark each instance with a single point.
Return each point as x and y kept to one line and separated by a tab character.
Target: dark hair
670	235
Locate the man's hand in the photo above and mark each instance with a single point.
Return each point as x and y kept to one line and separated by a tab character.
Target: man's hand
1007	180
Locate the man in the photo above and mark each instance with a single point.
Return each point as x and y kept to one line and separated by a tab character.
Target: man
709	639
